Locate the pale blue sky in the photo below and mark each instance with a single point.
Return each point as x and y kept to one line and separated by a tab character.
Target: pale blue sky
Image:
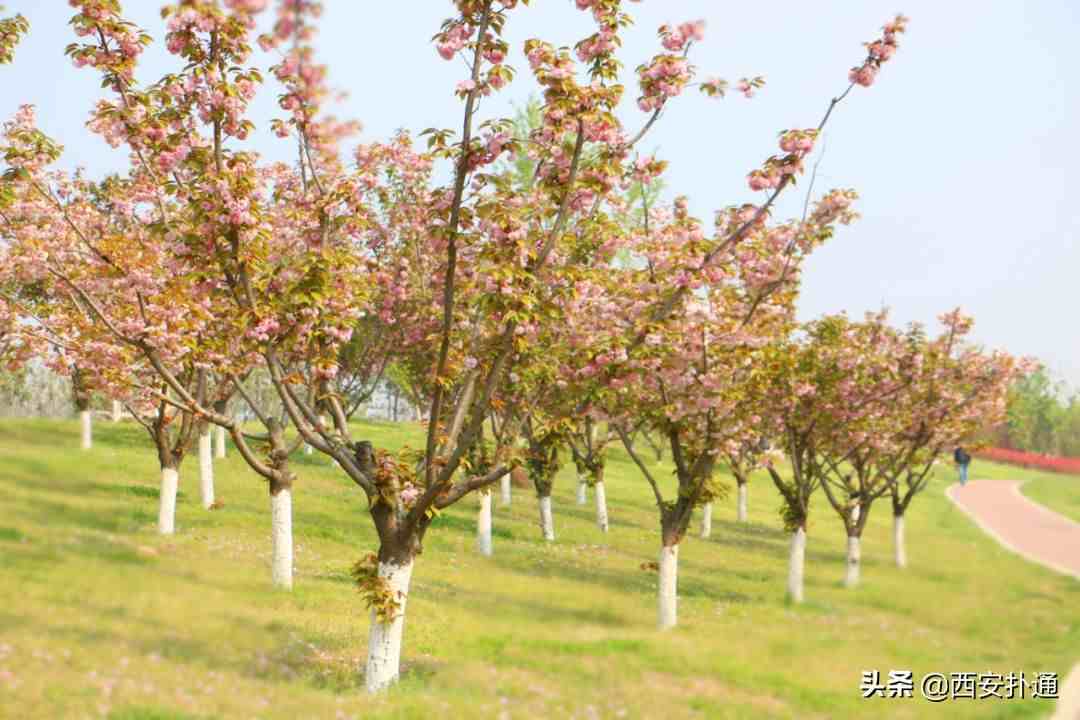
960	151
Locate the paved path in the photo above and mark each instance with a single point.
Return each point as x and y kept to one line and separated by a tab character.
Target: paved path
1023	526
1033	532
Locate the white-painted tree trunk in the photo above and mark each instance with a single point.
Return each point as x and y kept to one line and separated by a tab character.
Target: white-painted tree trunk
219	442
669	584
582	491
796	563
601	505
206	469
855	512
281	562
854	561
547	525
899	544
86	425
170	479
505	487
741	507
483	525
117	411
384	639
706	520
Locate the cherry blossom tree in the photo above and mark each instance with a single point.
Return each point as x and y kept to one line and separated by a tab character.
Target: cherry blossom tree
741	462
588	444
273	266
686	379
957	390
855	428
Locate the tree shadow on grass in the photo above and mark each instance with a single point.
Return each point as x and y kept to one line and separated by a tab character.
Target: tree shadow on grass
486	603
466	525
120	520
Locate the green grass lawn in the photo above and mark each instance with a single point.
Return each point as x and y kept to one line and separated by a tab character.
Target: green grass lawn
101	617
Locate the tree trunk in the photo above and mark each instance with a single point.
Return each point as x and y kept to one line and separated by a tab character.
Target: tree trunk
742	502
167	501
219	442
86	441
899	545
483	524
281	563
206	468
504	485
669	580
547	525
117	411
706	520
601	505
854	559
796	564
384	639
582	490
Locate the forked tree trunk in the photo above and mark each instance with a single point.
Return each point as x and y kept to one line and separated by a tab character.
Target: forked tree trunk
706	520
899	544
582	490
281	560
668	615
601	505
796	564
219	442
86	426
854	561
741	507
206	468
483	524
170	479
384	638
504	486
547	525
117	411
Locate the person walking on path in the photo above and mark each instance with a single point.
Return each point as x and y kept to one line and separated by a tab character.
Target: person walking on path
962	461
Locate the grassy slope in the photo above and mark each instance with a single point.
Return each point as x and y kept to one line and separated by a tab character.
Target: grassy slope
101	617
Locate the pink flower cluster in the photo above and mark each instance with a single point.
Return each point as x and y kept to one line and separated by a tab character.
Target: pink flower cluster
677	38
662	79
116	44
647	169
879	52
247	6
797	144
596	45
452	40
749	86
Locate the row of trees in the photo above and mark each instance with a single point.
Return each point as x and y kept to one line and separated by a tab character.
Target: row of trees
543	298
1042	417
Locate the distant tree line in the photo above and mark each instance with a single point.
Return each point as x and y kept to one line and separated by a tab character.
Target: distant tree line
1042	416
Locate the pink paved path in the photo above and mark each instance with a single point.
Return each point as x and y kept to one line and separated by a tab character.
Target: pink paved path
1023	526
1036	533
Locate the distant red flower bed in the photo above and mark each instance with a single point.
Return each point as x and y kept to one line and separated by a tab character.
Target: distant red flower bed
1032	460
